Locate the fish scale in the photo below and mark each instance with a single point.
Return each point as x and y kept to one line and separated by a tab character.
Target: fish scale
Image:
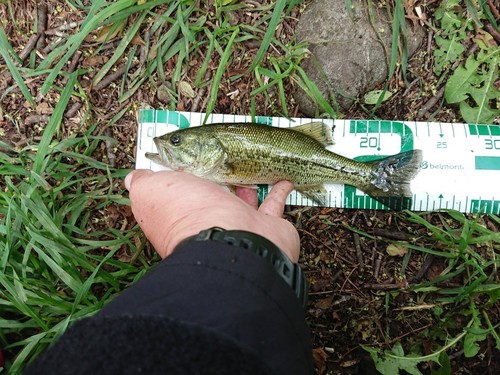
313	165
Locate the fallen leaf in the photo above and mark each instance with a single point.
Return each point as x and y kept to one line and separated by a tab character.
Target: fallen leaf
138	41
44	109
396	250
108	32
319	358
185	89
324	303
94	61
372	97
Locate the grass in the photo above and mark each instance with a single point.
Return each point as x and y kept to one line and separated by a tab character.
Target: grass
461	296
58	253
66	244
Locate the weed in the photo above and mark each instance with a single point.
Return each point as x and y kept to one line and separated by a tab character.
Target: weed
470	252
472	84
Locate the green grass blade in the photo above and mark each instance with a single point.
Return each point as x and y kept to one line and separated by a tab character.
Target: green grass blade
269	35
6	52
54	123
219	73
92	22
120	49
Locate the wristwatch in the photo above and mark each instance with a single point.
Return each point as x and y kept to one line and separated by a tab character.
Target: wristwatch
289	271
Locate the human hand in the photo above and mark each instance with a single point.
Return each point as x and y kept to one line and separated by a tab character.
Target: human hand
171	206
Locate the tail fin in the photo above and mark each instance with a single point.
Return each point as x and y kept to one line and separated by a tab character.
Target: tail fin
391	179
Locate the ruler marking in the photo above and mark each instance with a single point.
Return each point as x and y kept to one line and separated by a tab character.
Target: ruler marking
379	130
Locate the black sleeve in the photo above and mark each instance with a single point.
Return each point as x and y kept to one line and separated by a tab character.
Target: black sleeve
209	308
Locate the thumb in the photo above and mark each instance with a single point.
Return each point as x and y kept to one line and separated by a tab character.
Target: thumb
133	175
274	204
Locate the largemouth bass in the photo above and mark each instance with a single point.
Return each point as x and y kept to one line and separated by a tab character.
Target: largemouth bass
245	154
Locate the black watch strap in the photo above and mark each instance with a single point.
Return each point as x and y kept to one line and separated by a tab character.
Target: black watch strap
289	271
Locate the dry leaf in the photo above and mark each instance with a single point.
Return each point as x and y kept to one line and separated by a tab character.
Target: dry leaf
138	41
324	303
396	250
44	109
185	89
319	358
108	32
94	61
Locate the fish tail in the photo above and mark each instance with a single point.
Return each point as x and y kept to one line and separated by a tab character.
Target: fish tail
391	177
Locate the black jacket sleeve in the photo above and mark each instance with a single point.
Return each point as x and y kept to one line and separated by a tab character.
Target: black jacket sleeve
209	308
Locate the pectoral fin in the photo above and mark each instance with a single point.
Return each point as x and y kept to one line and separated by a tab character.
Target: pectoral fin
318	194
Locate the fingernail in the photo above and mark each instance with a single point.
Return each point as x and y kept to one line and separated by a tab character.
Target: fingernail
128	180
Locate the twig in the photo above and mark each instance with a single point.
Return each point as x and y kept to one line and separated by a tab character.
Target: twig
397	339
74	61
378	262
410	86
425	267
42	25
33	119
58	30
52	46
347	279
430	103
401	285
29	46
494	9
390	234
105	82
201	93
359	254
72	111
430	35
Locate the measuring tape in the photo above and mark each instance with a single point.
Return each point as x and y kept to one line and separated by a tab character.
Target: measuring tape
460	167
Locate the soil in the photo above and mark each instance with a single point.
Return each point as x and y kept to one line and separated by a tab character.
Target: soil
359	294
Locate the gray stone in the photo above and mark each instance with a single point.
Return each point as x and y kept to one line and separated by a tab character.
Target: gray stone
348	59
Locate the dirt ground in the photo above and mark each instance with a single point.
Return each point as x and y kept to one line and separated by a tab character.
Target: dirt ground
358	293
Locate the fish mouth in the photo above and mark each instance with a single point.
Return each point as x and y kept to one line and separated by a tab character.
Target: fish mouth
167	157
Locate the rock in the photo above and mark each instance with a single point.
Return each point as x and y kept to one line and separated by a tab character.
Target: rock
347	59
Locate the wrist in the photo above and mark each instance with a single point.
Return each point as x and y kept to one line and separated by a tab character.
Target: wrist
289	271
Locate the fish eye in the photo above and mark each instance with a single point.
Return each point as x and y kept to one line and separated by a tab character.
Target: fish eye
175	139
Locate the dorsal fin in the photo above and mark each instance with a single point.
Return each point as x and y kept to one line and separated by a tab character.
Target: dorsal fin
320	131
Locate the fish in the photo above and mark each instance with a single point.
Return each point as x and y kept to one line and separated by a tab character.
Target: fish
248	154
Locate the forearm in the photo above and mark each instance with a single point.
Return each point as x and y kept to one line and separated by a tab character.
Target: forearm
230	290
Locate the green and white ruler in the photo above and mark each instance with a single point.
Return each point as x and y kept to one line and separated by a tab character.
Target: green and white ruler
460	168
